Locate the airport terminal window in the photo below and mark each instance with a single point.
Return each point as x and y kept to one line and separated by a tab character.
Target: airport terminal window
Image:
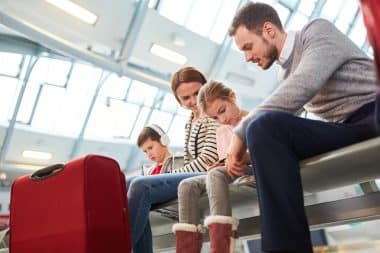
9	89
140	123
10	64
177	129
169	103
358	33
347	15
207	18
47	71
331	10
223	20
161	118
306	7
297	21
142	93
175	10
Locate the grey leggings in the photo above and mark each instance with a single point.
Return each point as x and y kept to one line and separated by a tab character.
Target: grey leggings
190	190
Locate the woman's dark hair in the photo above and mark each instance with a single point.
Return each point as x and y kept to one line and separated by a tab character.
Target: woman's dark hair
185	75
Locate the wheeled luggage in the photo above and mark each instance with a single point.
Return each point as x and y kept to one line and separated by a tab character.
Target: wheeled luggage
371	16
79	207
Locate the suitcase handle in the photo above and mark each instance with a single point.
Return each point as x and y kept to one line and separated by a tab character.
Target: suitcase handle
47	172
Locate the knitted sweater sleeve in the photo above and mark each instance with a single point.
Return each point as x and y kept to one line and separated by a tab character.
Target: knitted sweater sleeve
323	52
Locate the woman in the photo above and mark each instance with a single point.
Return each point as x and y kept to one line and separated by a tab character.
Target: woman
218	102
199	147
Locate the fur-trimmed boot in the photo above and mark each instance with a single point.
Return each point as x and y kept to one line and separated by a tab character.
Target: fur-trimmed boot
223	233
188	238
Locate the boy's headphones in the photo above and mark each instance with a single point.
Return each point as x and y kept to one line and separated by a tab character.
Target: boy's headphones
164	138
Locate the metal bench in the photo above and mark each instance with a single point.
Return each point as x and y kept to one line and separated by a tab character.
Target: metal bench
355	164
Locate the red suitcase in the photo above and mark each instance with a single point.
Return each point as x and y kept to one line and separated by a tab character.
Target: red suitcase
371	16
79	207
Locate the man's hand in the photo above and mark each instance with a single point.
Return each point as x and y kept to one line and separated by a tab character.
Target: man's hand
236	160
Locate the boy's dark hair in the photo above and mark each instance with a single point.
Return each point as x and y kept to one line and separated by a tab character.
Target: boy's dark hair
253	16
147	133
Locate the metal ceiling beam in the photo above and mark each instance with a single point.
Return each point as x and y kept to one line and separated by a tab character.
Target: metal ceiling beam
133	30
65	47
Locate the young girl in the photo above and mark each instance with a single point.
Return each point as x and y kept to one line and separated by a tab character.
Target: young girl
218	102
199	147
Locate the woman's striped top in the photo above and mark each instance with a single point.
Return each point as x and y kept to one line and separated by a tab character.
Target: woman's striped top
200	145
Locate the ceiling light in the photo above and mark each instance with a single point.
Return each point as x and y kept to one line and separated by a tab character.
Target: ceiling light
168	54
75	10
37	155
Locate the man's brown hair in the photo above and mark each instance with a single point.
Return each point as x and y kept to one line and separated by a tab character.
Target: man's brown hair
253	16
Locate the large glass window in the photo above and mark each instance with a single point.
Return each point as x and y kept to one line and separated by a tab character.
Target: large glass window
10	64
209	18
9	90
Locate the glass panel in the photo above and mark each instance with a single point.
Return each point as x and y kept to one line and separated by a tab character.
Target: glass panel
306	7
348	11
28	101
291	3
115	87
177	131
142	93
140	123
48	107
270	2
63	110
161	118
202	16
101	122
283	12
123	123
10	63
223	20
183	111
8	94
48	70
152	3
342	26
358	33
370	52
331	9
175	10
169	103
297	21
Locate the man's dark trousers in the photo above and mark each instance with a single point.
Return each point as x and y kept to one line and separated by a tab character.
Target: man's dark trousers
277	141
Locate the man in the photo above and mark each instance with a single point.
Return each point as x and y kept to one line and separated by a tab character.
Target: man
326	74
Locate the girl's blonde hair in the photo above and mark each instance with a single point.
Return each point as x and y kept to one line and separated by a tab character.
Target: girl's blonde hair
212	91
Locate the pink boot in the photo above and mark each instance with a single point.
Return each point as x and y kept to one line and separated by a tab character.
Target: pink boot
188	238
222	230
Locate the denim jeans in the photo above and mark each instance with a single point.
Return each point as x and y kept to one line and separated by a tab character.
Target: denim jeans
277	142
143	192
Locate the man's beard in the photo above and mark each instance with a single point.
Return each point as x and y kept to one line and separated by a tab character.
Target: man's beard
272	54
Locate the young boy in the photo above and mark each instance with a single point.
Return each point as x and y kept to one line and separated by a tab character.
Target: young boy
154	142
